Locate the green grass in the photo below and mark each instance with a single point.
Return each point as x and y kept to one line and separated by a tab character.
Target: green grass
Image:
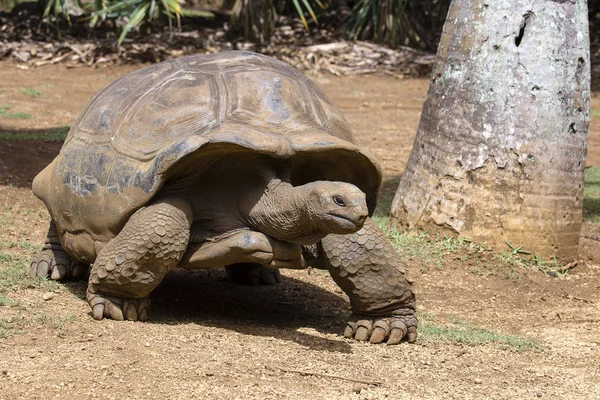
420	247
511	264
15	259
6	220
14	270
386	196
18	324
56	322
416	246
14	274
49	135
14	277
591	196
594	112
426	251
5	300
6	113
457	331
10	326
33	92
23	245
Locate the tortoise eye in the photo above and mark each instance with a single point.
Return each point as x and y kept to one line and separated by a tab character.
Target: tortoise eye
339	201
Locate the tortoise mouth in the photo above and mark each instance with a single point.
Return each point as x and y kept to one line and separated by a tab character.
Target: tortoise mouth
343	223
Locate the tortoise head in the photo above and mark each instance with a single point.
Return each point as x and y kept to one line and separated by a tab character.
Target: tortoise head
307	213
335	207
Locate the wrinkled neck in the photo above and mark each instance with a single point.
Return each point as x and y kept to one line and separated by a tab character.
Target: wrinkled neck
282	213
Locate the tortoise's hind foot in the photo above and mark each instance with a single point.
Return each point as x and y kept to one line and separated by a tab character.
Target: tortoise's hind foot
55	263
253	274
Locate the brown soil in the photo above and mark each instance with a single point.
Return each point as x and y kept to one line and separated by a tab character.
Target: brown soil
211	339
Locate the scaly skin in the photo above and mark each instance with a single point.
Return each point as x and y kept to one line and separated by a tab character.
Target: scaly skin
131	265
367	268
54	262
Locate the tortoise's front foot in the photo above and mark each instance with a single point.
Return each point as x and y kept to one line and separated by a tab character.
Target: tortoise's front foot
132	264
253	274
56	264
382	329
366	266
117	308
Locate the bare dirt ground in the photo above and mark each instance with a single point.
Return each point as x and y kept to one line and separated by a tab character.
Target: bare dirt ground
211	339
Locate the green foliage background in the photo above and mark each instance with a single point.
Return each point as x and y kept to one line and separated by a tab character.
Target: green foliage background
414	23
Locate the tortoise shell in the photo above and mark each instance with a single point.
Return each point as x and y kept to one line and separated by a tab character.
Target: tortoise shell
133	133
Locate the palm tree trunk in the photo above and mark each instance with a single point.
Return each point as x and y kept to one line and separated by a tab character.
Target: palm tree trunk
500	150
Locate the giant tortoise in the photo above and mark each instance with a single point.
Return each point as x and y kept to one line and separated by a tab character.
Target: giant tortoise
231	160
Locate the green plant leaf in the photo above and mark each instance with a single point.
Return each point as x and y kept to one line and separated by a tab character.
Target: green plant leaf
136	18
152	9
197	13
310	10
300	13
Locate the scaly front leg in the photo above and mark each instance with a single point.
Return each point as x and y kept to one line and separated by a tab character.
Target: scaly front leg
369	270
131	265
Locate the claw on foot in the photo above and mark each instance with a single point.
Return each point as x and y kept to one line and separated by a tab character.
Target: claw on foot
378	330
116	308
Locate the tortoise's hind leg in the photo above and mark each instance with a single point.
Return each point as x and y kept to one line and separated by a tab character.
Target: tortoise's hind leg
131	265
367	267
54	262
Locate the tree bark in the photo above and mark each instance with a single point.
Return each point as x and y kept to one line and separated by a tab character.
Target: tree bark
500	149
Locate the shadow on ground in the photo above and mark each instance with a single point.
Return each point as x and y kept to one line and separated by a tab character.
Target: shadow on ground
591	209
591	201
386	196
25	152
208	298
